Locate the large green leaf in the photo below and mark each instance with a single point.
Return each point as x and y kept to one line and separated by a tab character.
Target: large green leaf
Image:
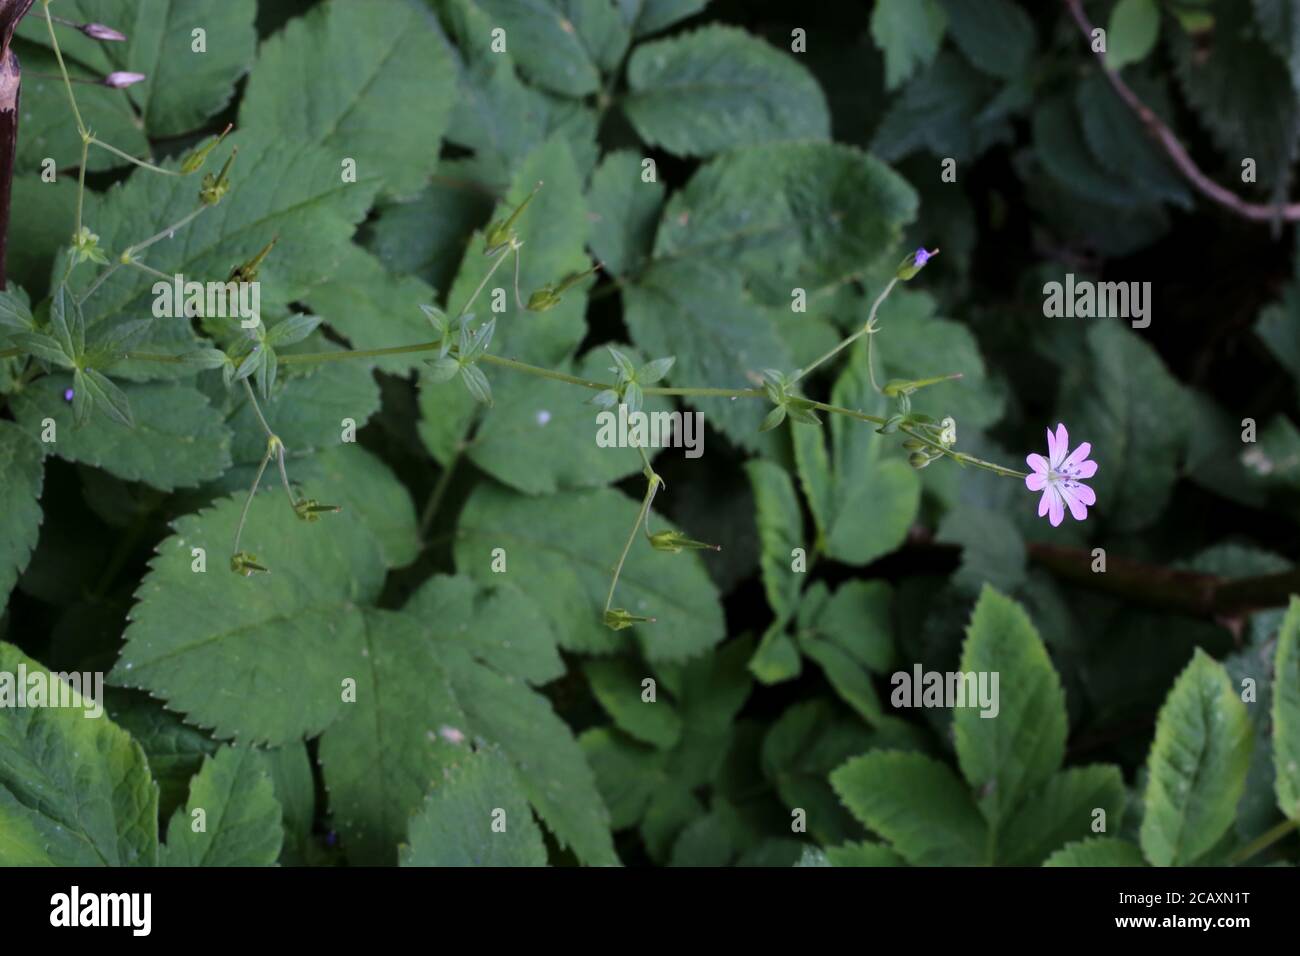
624	210
259	658
457	824
788	215
917	804
74	790
780	528
241	816
996	35
1008	754
651	16
1286	713
720	88
22	475
369	82
551	40
617	683
561	550
1062	810
1198	764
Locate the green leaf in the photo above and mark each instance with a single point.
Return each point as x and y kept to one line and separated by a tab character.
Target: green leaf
497	623
788	215
455	825
719	88
1124	401
543	38
22	476
1134	29
995	35
701	312
1286	713
15	310
624	212
863	503
560	551
178	441
199	640
541	437
1197	768
651	16
368	82
993	551
1097	851
780	529
908	32
183	86
241	815
74	791
1006	755
108	398
617	684
917	804
628	774
1280	25
1062	810
863	854
551	768
858	619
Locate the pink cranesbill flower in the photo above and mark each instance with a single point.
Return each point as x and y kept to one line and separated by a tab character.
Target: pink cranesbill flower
121	79
1059	477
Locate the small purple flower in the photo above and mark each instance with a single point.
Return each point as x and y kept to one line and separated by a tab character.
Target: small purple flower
97	31
120	79
68	394
921	257
1058	478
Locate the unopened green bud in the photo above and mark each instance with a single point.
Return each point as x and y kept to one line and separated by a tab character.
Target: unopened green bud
241	562
309	509
919	459
247	272
502	232
195	160
618	618
547	297
914	263
215	187
674	542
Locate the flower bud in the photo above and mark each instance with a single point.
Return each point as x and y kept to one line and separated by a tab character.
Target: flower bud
247	272
121	79
214	188
97	31
919	460
674	541
618	618
502	232
241	562
914	263
195	160
309	509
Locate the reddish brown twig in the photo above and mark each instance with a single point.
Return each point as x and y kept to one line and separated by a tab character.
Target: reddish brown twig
11	11
1258	212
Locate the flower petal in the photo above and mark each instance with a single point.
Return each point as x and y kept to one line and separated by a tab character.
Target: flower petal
1062	446
1056	512
1053	453
1078	508
1036	482
1045	502
1085	469
1076	457
1037	462
1083	493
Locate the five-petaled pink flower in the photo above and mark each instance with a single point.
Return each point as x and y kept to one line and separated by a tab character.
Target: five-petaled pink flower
1058	478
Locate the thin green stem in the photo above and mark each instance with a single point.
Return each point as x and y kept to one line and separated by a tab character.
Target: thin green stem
129	253
284	473
270	435
868	328
439	492
63	70
641	515
1263	841
81	182
496	264
143	164
257	480
309	358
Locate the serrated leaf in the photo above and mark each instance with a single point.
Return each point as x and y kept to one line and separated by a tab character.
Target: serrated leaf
369	82
1006	755
995	35
1286	713
624	211
917	804
651	16
720	88
908	32
617	684
242	817
22	477
1097	851
200	640
1063	809
74	790
780	529
561	552
456	824
788	215
629	774
542	37
178	440
1198	764
108	398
